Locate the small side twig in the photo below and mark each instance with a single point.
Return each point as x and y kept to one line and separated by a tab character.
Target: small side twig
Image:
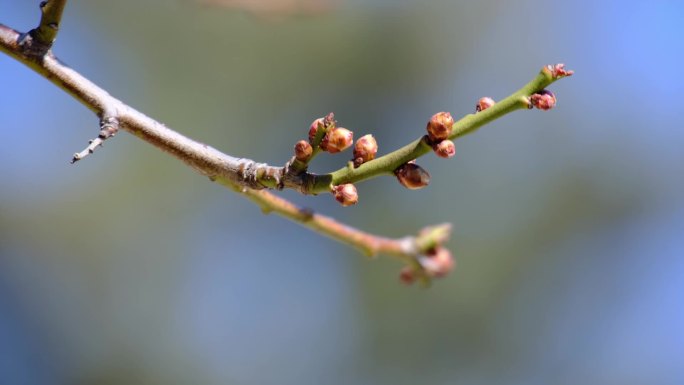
109	126
38	41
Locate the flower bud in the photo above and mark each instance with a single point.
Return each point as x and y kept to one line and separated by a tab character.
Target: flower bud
326	123
438	262
445	149
337	140
543	100
412	176
365	149
313	129
440	125
346	194
303	151
484	103
407	275
558	71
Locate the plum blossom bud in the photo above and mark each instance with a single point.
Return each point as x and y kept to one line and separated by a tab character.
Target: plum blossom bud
346	194
440	125
484	103
303	151
543	100
558	71
438	262
326	123
407	275
412	176
314	128
445	149
337	140
365	149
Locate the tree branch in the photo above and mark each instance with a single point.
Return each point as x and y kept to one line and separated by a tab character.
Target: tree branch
424	253
235	173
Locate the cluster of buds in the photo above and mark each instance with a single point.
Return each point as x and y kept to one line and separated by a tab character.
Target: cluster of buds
439	129
335	139
543	100
436	263
324	134
412	176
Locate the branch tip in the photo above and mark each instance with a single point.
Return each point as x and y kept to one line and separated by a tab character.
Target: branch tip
109	126
557	71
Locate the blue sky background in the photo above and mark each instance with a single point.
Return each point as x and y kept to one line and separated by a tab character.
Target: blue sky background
130	268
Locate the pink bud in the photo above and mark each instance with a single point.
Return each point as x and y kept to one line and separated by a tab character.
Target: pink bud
303	151
314	128
337	140
543	100
346	194
558	71
484	103
440	125
365	149
445	149
412	176
326	123
438	262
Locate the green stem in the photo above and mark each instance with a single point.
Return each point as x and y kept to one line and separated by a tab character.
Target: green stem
388	163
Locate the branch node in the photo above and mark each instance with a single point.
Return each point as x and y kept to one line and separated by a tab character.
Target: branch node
39	40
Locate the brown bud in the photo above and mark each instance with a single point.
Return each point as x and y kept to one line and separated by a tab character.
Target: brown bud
440	125
484	103
412	176
365	149
438	262
303	151
346	194
445	149
407	275
543	100
337	140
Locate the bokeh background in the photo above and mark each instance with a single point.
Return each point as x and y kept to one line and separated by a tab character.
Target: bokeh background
129	268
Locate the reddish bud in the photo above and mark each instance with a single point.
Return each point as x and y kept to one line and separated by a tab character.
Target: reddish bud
365	149
558	71
314	128
407	275
346	194
543	100
484	103
326	123
440	125
303	151
337	140
438	262
445	149
412	176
